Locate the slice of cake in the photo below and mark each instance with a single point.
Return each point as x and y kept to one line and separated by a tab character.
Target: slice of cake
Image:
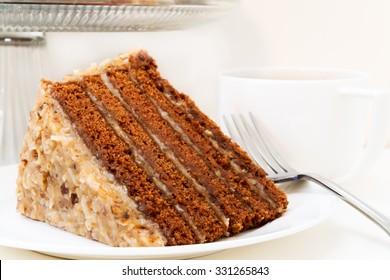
116	154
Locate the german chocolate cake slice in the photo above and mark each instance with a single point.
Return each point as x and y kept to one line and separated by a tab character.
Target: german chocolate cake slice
118	155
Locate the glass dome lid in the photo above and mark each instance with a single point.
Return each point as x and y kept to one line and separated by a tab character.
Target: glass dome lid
112	15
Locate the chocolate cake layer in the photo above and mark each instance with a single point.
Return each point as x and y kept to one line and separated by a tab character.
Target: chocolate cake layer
116	156
195	206
144	70
233	206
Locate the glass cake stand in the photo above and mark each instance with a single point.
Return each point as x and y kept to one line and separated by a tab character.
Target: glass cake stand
23	60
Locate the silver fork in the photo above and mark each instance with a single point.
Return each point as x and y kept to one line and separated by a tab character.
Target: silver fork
265	155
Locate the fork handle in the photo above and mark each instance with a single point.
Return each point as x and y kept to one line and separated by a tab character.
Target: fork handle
368	211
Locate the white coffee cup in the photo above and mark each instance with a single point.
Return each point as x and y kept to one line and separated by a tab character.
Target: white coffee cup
321	120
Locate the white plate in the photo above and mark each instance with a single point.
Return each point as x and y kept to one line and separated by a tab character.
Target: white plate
308	206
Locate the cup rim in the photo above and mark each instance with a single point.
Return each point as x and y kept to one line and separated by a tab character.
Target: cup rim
254	74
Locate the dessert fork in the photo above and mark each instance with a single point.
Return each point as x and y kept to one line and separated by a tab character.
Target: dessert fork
266	156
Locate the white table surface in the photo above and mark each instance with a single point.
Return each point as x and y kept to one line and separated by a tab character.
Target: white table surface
346	234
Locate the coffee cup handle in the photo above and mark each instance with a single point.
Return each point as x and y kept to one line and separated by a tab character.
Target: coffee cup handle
378	131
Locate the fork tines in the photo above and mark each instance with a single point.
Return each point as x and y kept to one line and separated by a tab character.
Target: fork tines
251	137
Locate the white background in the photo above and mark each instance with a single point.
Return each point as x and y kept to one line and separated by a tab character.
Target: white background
351	34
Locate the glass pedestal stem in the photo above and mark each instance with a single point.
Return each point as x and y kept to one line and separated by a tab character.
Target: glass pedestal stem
22	65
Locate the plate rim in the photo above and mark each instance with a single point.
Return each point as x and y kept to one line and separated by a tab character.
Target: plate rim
108	252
